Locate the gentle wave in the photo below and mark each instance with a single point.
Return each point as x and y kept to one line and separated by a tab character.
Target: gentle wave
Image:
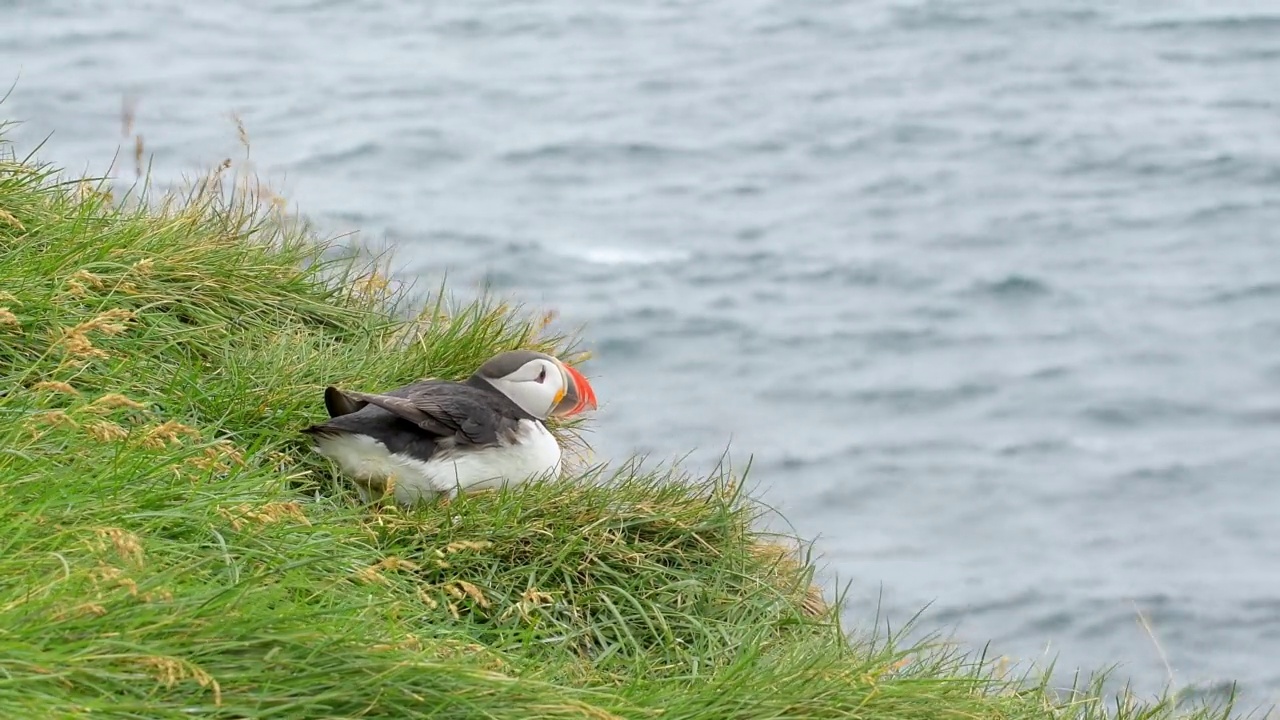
590	151
1263	23
1011	287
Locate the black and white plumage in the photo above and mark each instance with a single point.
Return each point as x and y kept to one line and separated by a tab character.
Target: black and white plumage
436	436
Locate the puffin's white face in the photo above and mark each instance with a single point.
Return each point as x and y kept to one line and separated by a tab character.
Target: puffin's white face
541	385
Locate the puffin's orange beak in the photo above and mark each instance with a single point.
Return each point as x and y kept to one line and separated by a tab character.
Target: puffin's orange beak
586	396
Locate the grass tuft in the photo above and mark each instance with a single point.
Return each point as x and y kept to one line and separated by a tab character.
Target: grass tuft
171	548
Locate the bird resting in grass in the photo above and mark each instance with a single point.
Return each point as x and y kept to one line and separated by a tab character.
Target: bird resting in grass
434	437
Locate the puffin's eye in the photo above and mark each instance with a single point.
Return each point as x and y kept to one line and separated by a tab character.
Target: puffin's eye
542	375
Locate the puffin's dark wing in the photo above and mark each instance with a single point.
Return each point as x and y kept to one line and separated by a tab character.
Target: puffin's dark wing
446	409
475	421
401	407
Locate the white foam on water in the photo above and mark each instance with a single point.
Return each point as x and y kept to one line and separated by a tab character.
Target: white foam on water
630	256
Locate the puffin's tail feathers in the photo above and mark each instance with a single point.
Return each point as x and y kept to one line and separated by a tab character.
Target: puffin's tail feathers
340	403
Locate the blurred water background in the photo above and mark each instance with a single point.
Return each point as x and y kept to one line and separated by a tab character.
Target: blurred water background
989	288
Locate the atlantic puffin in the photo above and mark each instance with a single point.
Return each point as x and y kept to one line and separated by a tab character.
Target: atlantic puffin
438	437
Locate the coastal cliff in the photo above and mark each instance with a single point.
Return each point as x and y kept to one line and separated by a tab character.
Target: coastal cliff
171	548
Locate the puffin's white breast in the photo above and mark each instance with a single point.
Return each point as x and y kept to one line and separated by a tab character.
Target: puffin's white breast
533	452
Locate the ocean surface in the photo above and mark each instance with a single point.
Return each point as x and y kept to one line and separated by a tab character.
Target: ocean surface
988	289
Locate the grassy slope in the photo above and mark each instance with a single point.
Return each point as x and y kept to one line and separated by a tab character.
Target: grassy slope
169	547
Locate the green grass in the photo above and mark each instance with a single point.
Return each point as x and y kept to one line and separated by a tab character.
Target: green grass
169	548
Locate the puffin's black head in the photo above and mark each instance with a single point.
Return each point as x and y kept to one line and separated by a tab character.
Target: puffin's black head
540	384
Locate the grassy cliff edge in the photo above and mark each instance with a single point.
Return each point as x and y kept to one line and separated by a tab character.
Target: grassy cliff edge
170	548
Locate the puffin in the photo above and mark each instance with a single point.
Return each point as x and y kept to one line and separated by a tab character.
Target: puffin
438	437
